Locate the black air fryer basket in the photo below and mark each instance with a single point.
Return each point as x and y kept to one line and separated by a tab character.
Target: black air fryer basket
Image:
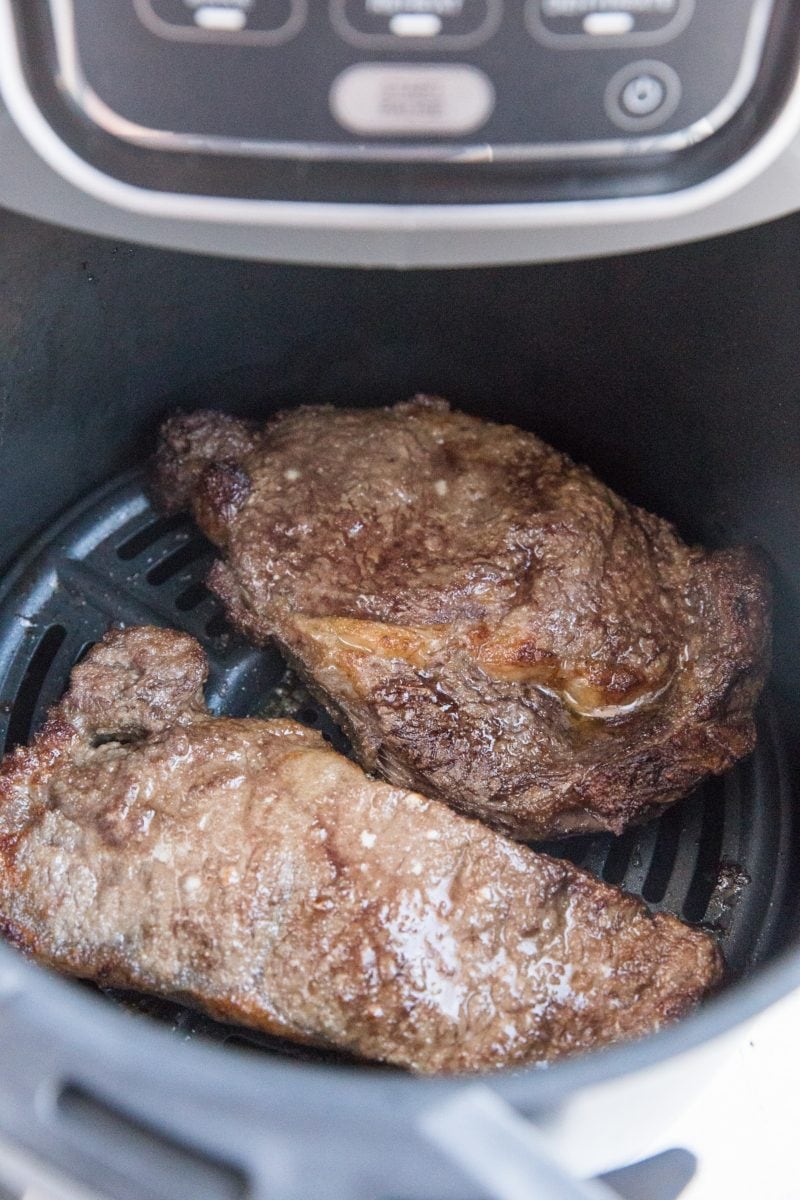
672	374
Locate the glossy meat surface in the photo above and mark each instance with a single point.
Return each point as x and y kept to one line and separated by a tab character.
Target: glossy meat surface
490	623
243	867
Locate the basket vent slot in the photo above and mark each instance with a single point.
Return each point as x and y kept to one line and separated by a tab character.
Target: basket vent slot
708	855
619	857
22	714
191	597
178	561
153	532
217	626
667	842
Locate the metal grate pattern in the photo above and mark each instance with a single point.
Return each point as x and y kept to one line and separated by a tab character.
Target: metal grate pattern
717	858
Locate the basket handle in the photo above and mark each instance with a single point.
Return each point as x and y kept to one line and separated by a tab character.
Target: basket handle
491	1142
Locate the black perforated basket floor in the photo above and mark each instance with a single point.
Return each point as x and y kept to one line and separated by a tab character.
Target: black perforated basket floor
719	858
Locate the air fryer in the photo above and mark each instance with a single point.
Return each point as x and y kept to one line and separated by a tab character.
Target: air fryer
671	372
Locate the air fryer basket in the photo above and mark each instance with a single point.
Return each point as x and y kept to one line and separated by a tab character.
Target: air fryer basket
672	374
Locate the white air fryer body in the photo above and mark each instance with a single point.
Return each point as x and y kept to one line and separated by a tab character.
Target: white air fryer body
628	141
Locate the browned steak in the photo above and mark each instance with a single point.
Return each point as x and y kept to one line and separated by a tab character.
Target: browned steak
492	625
244	867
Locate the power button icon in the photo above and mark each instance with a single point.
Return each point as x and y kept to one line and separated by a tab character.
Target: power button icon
642	95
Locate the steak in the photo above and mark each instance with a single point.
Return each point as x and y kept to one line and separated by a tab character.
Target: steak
491	624
243	867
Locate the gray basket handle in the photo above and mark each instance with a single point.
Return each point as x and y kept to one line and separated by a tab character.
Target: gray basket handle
501	1150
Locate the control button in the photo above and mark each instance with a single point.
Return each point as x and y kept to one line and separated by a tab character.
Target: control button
611	23
642	95
416	24
391	99
242	22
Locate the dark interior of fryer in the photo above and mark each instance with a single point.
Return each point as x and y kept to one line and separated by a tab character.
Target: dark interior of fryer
672	373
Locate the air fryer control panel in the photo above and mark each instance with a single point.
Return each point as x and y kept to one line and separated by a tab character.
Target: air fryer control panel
409	101
357	78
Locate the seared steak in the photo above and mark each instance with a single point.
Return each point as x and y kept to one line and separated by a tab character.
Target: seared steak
491	624
244	867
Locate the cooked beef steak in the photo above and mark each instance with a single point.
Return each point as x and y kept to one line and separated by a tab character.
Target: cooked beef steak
492	625
244	867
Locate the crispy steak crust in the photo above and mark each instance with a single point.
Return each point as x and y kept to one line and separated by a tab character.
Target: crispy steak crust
491	624
244	867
